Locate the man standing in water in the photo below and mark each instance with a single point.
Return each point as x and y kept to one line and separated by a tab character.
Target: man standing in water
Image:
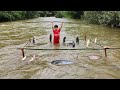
56	32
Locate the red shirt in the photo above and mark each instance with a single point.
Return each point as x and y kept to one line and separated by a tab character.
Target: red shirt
56	36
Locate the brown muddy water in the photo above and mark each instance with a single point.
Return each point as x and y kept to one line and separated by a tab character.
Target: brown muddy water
37	64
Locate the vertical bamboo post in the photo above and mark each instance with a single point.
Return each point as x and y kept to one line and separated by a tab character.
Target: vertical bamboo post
105	52
95	41
33	40
85	37
105	49
77	40
50	38
23	54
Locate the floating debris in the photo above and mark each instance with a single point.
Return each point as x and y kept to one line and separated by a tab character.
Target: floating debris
33	58
61	62
70	43
85	26
94	57
107	47
3	25
23	58
41	43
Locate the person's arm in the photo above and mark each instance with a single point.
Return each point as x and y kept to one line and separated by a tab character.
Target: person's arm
61	25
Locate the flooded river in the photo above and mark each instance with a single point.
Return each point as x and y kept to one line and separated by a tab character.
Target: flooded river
88	62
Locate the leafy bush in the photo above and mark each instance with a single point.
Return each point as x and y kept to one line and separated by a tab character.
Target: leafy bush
73	14
17	15
111	18
59	14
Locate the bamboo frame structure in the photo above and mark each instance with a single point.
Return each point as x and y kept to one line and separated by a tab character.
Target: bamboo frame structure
105	49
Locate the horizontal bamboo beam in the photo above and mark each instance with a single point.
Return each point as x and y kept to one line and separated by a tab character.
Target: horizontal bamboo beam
69	49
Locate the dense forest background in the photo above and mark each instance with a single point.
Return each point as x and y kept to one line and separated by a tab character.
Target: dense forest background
108	18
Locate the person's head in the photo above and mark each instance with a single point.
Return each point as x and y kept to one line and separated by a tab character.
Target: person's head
56	26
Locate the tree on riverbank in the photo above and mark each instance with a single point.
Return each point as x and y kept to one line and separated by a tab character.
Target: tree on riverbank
108	18
17	15
69	14
21	15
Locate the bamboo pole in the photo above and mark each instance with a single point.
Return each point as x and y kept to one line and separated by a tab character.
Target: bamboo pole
105	50
85	37
50	38
22	50
70	49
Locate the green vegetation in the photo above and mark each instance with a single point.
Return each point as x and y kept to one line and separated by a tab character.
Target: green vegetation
22	15
108	18
69	14
47	13
59	14
16	15
19	15
73	14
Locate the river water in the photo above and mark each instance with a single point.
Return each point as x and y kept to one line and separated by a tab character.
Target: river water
37	65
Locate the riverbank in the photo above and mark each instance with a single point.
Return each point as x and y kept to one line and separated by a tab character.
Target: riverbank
17	15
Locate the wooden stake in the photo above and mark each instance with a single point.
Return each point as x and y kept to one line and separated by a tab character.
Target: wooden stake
23	54
77	40
85	37
50	38
95	40
105	49
33	40
105	52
